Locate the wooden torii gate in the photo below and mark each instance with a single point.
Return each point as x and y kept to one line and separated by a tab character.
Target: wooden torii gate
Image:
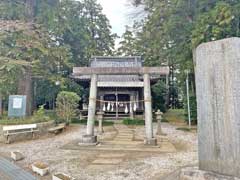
95	71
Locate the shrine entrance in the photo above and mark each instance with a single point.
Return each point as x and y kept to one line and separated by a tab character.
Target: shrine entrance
115	106
120	103
117	97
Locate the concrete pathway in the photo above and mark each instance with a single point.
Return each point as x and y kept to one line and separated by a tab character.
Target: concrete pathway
124	141
106	161
124	133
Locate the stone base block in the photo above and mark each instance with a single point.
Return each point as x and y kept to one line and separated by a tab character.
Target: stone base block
100	131
161	134
193	173
88	140
150	142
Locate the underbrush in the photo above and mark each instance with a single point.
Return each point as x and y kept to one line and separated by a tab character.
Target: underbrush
129	121
186	129
28	120
174	115
38	117
84	122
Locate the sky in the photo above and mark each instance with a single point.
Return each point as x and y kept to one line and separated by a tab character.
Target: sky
119	14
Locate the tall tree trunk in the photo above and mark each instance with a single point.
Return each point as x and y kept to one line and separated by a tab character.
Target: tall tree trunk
25	87
1	106
194	65
193	87
34	95
167	93
30	9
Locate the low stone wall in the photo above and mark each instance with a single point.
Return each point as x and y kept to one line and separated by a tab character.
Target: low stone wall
42	127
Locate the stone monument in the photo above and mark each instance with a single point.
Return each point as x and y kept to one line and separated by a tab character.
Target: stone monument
218	100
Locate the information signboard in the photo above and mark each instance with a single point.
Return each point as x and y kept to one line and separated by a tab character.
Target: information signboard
17	106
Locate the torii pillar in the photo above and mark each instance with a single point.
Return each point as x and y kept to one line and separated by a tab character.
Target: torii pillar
149	140
90	138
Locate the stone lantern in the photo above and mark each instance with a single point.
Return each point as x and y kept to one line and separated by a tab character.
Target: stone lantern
159	119
100	121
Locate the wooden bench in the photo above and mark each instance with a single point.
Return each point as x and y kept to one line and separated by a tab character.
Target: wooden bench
19	129
57	129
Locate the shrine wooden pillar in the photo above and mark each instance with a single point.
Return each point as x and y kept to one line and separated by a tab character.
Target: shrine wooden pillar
101	102
131	112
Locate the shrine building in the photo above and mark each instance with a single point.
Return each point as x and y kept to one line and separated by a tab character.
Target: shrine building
118	96
120	87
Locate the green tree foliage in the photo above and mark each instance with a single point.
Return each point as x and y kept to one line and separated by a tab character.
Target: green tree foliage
127	44
12	10
9	77
220	22
99	28
67	105
173	29
32	48
159	92
50	36
81	25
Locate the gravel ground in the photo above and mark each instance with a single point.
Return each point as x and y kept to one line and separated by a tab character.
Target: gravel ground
148	166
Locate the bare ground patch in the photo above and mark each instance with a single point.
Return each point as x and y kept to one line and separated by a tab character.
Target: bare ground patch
132	166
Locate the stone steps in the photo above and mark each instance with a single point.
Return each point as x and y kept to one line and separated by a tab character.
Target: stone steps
125	130
120	139
123	138
122	143
124	135
111	155
103	161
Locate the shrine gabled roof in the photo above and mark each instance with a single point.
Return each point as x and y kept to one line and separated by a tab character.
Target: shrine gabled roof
113	61
101	61
132	65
